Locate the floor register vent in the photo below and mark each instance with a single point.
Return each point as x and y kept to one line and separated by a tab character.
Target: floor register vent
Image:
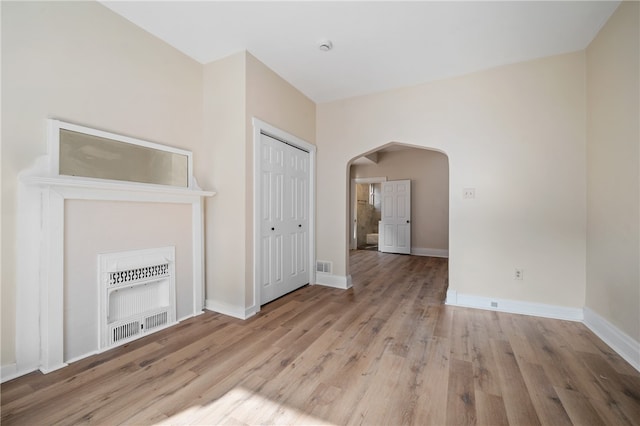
137	294
324	266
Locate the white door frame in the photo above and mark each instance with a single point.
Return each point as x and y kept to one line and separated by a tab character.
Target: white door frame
354	203
260	127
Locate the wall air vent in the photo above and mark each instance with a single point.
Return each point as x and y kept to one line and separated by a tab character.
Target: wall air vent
324	266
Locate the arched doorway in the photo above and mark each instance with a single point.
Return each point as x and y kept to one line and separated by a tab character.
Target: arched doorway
428	170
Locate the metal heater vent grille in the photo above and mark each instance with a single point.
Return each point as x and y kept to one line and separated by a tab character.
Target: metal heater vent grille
124	331
133	275
138	294
155	320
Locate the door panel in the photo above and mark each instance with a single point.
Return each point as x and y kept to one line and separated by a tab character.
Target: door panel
284	222
395	224
298	176
272	181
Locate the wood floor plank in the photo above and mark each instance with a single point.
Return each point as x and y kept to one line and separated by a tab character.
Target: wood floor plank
461	346
485	375
386	351
434	383
579	408
52	396
213	385
543	395
381	402
622	391
461	400
517	400
490	409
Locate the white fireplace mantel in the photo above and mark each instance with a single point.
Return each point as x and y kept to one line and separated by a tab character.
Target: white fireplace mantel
40	247
40	295
98	189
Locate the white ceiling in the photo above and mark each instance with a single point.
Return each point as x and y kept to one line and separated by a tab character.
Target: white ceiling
377	45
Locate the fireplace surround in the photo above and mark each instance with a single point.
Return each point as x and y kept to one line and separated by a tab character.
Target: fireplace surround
43	196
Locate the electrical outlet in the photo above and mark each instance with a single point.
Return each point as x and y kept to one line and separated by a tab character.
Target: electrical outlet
518	274
468	193
494	304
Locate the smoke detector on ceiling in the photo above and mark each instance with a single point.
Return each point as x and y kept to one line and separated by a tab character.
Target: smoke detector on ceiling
325	45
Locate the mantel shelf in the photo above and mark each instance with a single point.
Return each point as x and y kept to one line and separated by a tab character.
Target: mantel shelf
104	185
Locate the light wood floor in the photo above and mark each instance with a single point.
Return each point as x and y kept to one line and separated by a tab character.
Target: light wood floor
386	352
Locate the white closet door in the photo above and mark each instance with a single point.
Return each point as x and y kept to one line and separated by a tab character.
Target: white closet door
271	217
394	233
296	216
284	219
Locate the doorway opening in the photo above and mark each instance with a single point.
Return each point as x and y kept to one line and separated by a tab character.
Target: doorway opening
368	214
428	173
365	212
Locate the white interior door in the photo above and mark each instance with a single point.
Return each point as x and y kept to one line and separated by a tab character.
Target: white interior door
394	228
296	218
284	218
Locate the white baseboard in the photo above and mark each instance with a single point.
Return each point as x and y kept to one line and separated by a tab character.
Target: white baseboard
431	252
186	317
10	372
229	310
251	311
622	343
514	306
336	281
54	368
88	354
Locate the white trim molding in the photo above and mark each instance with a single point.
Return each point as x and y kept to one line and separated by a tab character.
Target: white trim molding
336	281
514	306
10	372
369	180
623	344
429	252
229	309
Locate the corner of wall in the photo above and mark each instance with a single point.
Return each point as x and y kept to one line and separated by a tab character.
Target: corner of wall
335	281
623	344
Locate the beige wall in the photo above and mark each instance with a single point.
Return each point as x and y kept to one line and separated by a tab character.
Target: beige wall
224	170
613	164
429	174
123	226
274	101
237	89
515	133
82	63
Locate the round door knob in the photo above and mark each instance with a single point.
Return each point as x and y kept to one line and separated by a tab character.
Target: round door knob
407	221
300	226
273	229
